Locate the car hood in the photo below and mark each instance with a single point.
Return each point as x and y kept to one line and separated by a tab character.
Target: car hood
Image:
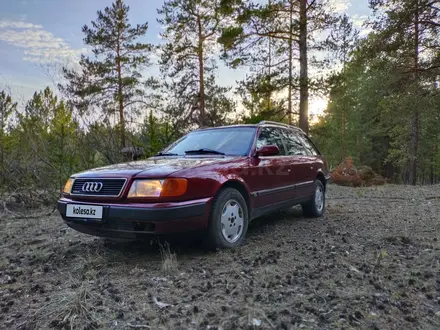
153	167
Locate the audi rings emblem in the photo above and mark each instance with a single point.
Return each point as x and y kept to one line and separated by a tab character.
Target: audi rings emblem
92	187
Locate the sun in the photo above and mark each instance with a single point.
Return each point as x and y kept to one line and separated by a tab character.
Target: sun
316	109
317	106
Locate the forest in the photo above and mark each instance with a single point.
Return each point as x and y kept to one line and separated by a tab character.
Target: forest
382	88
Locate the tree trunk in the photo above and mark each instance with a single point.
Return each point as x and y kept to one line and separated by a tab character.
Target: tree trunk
434	153
414	143
344	114
60	171
415	122
344	133
289	108
120	94
358	147
1	143
202	119
303	75
269	65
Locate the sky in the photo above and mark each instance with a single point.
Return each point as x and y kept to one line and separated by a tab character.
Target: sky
38	37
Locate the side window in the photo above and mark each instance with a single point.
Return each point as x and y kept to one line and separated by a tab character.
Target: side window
294	144
309	145
269	136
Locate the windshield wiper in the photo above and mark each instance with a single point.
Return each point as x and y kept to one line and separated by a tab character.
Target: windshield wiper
204	151
166	154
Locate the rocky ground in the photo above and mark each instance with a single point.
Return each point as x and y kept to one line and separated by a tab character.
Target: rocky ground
371	263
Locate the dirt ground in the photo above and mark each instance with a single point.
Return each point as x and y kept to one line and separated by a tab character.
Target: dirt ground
371	263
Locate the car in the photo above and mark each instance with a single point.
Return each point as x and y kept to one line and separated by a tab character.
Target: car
213	181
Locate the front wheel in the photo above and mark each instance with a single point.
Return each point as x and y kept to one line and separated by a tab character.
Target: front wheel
229	220
316	206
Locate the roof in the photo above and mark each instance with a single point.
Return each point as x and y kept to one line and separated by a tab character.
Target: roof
275	123
260	124
227	126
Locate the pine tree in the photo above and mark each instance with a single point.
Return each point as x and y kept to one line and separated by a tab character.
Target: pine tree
45	150
7	108
409	33
187	61
250	42
291	26
112	79
379	96
156	134
255	93
342	41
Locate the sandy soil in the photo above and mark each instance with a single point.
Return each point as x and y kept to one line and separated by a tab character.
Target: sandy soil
373	262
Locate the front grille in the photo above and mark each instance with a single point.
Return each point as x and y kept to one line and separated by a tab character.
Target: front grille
110	187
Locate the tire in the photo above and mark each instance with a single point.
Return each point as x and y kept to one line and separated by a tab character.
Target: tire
315	208
229	220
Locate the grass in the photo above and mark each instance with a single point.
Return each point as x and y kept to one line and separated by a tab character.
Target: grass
74	308
169	259
4	263
360	193
41	255
265	276
381	255
255	317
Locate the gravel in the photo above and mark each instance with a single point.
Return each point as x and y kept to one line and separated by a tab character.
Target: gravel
371	263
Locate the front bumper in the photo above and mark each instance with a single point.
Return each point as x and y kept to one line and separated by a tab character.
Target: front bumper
132	220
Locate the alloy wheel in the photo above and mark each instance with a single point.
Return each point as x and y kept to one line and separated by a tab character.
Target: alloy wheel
232	221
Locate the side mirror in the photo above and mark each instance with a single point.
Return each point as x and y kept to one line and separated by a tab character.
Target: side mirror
270	150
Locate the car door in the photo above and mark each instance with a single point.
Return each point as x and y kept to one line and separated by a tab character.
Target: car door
319	162
270	184
301	164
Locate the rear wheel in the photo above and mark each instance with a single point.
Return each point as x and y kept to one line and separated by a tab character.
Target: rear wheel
315	208
229	220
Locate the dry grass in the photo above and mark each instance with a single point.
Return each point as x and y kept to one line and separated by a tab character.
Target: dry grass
4	263
256	317
72	308
265	276
169	259
76	304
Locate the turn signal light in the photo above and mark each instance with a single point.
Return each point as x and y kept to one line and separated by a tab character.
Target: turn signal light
68	186
174	187
158	188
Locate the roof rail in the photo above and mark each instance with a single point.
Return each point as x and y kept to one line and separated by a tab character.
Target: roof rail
266	122
263	122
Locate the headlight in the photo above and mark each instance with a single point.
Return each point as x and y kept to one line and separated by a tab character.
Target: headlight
158	188
145	188
68	186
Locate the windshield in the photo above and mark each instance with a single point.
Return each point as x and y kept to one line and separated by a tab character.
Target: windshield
234	141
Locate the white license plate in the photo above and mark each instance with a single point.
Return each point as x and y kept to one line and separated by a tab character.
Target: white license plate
84	211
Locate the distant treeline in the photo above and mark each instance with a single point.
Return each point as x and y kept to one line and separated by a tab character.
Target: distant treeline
384	98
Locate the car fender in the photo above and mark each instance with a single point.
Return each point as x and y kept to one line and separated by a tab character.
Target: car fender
231	180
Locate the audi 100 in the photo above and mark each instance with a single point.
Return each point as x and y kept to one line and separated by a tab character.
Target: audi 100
212	181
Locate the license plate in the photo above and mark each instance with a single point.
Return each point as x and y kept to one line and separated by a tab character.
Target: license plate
84	211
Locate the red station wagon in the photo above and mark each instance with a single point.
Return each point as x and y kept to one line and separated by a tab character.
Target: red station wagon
216	180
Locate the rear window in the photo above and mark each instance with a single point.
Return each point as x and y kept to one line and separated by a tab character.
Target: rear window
309	145
294	144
